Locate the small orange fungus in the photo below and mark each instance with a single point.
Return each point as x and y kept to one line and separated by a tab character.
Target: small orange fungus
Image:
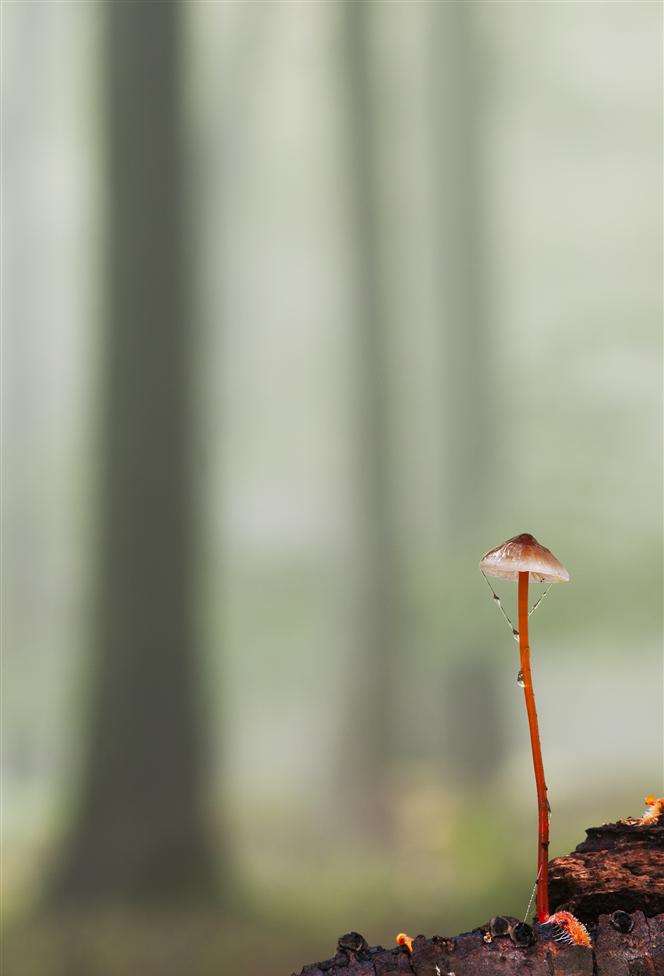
654	809
572	931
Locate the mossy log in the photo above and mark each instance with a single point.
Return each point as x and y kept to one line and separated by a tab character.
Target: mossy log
613	882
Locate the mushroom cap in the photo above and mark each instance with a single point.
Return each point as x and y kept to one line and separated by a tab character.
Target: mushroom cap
523	554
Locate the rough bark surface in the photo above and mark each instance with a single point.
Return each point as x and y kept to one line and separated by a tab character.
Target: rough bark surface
613	881
618	866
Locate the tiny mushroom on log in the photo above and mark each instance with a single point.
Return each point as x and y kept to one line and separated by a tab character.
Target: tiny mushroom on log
403	939
519	559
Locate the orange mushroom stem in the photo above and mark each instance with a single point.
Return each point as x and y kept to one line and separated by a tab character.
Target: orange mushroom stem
542	898
519	559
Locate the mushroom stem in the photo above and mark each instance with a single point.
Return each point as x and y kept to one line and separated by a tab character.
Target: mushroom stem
542	901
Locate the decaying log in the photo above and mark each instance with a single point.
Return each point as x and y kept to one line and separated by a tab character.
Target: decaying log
618	866
613	881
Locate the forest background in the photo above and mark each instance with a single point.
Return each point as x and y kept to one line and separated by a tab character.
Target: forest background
305	306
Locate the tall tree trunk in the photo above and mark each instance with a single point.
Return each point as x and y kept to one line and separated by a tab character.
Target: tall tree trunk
366	765
468	457
140	831
457	116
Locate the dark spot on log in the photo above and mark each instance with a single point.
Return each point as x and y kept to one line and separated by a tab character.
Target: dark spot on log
499	925
622	921
352	942
522	934
635	868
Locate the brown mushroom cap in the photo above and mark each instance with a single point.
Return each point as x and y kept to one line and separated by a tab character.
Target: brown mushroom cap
523	554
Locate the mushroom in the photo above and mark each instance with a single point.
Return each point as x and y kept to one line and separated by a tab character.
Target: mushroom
519	559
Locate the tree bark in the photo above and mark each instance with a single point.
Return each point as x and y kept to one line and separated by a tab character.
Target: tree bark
618	866
637	953
140	828
614	882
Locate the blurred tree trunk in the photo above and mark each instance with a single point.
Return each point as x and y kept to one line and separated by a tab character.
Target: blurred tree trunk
458	119
470	475
368	737
140	831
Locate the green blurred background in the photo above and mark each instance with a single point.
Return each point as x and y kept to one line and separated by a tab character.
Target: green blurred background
307	305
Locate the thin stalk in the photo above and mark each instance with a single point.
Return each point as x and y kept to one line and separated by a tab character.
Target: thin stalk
542	901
